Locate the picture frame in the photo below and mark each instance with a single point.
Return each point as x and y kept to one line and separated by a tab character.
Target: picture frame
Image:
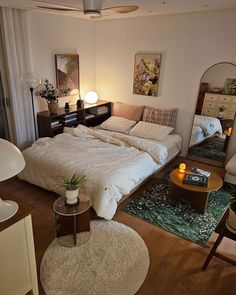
67	72
230	86
147	74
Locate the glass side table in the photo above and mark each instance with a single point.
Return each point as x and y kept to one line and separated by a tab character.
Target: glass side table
72	222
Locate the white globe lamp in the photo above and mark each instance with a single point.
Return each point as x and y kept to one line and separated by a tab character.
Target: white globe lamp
91	97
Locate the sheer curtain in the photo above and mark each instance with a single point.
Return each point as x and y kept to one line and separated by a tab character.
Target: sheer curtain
14	33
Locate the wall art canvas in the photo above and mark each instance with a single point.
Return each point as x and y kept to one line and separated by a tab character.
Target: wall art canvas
67	71
230	86
146	74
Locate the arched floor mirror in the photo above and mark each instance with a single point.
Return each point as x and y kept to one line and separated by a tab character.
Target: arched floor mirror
214	115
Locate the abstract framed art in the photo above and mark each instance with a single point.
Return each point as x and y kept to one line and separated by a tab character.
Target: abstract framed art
146	74
67	71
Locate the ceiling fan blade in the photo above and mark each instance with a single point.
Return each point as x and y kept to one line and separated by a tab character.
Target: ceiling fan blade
121	9
59	8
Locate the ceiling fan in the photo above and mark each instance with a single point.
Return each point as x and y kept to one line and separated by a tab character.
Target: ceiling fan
93	8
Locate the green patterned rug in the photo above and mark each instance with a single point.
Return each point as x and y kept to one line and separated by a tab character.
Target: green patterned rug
178	216
212	149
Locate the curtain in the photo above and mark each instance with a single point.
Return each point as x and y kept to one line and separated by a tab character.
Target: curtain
14	31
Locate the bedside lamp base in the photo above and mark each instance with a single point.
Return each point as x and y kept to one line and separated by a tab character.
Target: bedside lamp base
7	209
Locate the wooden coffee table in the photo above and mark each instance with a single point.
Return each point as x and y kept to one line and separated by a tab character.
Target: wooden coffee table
195	193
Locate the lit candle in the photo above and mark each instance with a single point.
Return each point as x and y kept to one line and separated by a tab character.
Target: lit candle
230	130
182	167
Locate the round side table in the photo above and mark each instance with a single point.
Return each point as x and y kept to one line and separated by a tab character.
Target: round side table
72	222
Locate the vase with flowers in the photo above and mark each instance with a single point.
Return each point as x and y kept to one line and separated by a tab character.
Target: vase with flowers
51	94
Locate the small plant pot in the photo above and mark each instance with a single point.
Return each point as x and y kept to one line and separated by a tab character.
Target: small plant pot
220	114
231	222
71	196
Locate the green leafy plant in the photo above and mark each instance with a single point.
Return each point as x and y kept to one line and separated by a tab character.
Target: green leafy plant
73	182
221	108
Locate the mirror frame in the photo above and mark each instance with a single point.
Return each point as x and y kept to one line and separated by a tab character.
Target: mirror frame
218	63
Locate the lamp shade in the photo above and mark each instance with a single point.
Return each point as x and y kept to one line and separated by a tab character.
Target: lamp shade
91	97
11	159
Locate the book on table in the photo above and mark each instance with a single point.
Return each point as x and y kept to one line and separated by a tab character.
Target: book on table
195	179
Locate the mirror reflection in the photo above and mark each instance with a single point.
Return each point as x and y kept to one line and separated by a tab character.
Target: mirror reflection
214	115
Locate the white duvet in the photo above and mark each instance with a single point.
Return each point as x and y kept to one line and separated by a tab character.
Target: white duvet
209	125
114	161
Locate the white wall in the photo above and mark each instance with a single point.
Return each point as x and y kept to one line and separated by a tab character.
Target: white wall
190	43
51	34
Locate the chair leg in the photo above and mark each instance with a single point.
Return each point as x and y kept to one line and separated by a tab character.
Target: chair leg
212	252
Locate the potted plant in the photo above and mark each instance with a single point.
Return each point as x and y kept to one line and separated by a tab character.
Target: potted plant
51	94
231	222
71	186
221	111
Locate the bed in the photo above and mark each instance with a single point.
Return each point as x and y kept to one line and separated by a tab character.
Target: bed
114	163
203	128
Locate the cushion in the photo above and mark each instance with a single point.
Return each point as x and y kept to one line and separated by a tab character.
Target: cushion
165	117
118	124
150	130
231	165
128	111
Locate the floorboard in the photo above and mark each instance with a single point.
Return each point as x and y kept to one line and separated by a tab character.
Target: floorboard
175	266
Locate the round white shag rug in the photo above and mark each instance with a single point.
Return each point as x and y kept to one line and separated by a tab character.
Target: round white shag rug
114	261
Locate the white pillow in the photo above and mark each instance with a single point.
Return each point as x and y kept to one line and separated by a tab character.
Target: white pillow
118	124
150	130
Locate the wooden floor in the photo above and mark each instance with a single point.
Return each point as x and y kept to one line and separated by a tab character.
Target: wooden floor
175	264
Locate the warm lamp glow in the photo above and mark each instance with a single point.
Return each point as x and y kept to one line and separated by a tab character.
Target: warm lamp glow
182	168
91	97
230	130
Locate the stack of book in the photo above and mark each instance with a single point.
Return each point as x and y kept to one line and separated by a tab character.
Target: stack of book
197	177
70	118
55	124
99	111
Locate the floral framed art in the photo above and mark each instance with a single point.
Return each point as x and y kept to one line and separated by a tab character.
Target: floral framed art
67	71
146	74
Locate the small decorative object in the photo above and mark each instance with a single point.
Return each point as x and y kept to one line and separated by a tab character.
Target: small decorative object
50	93
67	106
146	74
80	103
71	186
216	90
67	71
230	86
231	222
221	112
182	168
91	97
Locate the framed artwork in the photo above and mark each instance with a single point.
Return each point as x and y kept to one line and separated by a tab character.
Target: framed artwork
230	86
146	74
67	71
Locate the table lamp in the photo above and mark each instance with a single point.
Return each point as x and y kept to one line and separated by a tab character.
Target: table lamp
12	163
182	168
91	97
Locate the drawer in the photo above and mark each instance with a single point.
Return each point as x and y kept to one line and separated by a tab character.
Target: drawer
229	115
210	105
211	97
233	99
225	98
209	112
233	108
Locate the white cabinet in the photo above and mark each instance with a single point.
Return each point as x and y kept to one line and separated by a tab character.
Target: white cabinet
212	102
18	273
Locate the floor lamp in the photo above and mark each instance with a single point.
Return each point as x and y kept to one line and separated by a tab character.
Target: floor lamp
12	163
32	81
